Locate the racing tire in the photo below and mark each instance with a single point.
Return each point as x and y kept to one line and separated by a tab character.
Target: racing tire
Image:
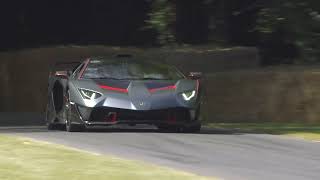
48	120
69	126
193	129
170	128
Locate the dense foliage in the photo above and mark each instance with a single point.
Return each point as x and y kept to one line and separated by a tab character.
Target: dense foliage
286	31
294	24
162	18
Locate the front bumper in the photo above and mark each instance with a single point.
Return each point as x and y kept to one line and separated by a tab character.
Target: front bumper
104	116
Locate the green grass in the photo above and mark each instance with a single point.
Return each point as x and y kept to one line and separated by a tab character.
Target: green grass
25	159
299	130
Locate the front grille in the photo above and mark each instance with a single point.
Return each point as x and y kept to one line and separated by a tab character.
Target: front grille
101	115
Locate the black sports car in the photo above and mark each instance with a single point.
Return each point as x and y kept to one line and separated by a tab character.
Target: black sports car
122	90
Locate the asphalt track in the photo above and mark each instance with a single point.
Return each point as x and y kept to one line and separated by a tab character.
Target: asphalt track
219	153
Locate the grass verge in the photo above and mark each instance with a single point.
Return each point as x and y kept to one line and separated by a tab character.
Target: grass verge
25	159
299	130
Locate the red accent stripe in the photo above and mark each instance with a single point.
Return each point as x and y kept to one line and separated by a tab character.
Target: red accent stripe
163	88
198	84
113	88
84	68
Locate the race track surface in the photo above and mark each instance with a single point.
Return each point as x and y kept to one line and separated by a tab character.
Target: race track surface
218	153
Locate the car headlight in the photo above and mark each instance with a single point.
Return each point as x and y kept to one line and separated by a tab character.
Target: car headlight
187	96
88	94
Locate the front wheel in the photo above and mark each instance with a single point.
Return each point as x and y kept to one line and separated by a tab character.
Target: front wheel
193	129
70	127
180	129
170	129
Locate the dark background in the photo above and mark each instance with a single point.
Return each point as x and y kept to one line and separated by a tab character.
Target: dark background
284	31
42	22
113	22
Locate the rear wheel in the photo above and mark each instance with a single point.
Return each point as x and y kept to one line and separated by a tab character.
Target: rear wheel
50	118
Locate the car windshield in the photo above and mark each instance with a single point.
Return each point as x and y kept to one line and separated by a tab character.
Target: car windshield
129	69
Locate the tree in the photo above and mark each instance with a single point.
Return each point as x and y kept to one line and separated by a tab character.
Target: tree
295	23
162	19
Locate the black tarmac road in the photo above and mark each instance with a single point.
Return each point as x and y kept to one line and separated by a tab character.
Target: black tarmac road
217	153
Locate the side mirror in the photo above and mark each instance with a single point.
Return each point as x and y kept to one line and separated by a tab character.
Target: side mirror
195	75
62	74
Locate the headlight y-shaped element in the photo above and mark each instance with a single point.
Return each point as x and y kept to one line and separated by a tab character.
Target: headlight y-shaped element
187	96
89	94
